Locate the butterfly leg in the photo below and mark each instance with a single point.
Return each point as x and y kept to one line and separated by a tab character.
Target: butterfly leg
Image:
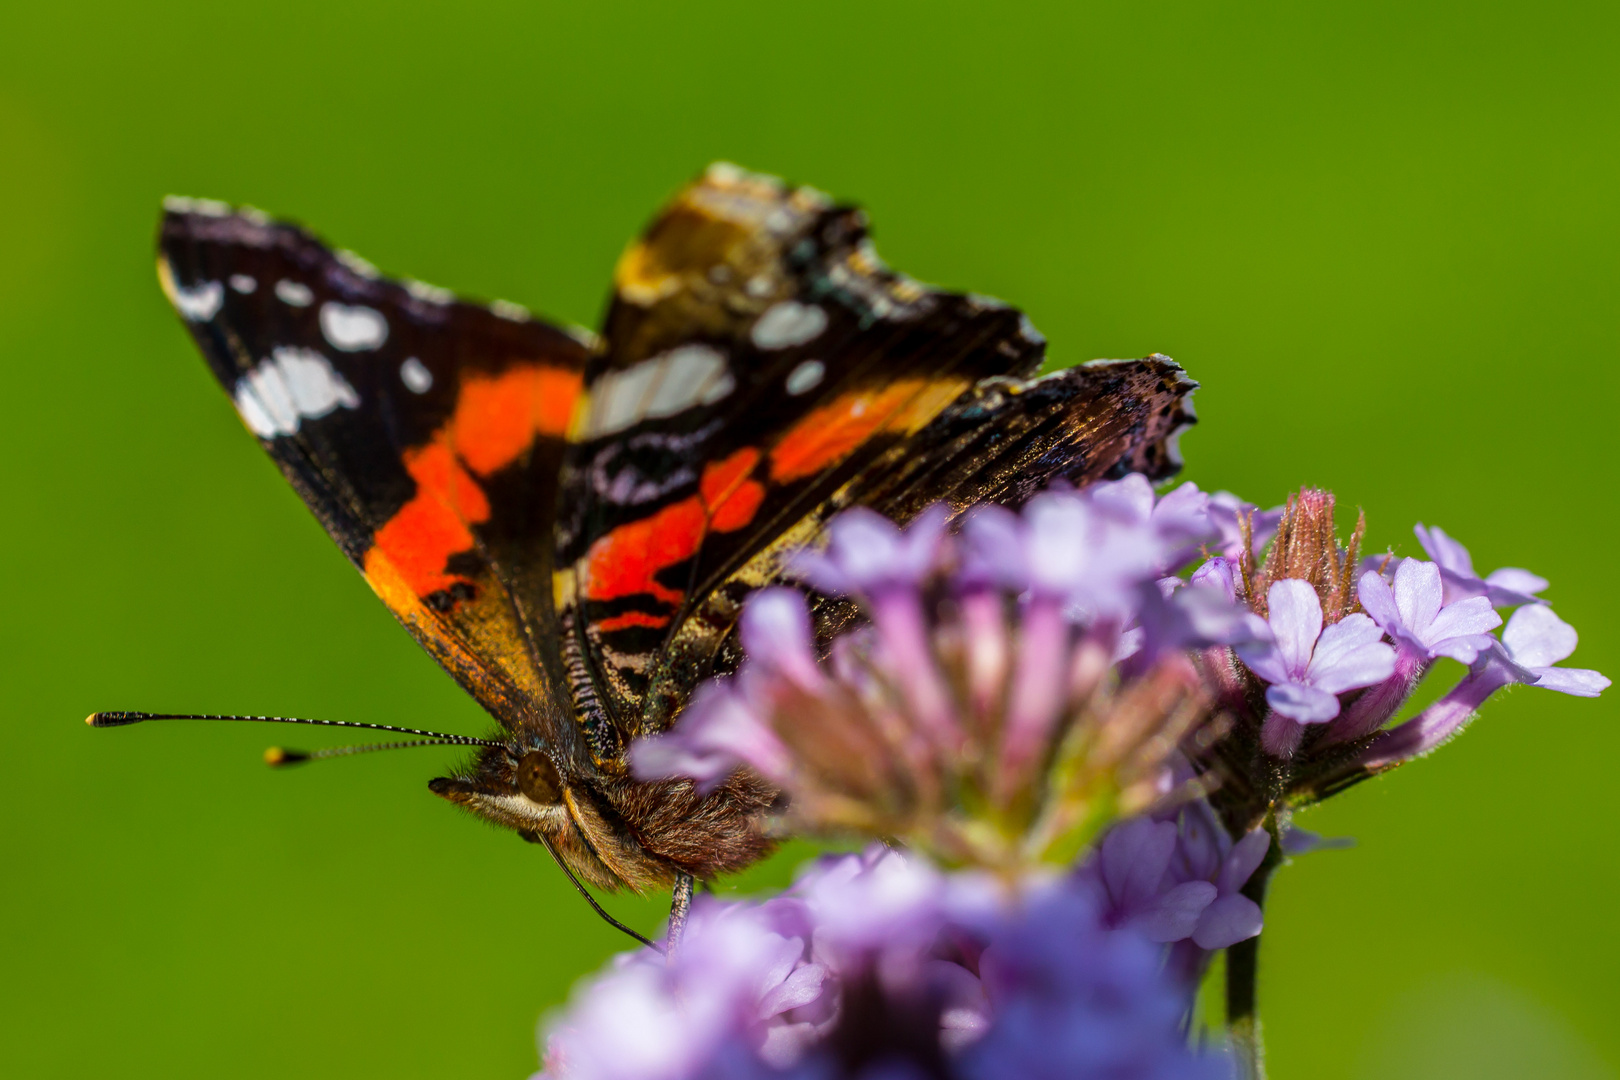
680	905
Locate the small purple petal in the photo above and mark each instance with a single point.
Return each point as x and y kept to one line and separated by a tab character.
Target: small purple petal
1227	921
775	631
1514	579
1217	573
717	731
1379	601
1581	682
1535	637
1134	857
1474	615
1418	593
1301	703
1507	587
1175	912
1129	499
1296	622
1226	512
799	988
868	552
1464	648
993	549
1058	524
1297	841
1182	516
1246	856
1350	655
1213	619
1263	659
1445	551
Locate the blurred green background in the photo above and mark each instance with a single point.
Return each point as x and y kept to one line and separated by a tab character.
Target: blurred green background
1384	237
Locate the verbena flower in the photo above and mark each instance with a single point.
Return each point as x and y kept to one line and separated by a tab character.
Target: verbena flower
877	965
1414	613
1532	643
982	716
1306	706
1308	665
1507	587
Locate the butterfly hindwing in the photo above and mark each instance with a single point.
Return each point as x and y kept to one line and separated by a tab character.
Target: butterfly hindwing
1000	442
758	356
424	432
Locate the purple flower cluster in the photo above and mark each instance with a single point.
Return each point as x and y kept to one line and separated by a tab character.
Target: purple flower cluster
1105	740
1342	673
878	966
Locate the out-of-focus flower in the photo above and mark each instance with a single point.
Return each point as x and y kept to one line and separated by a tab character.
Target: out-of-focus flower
1071	1000
739	982
1414	614
877	965
1131	866
981	716
1506	587
1179	879
1309	665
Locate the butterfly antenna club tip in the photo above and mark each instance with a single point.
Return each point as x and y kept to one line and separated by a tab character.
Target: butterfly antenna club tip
277	756
115	719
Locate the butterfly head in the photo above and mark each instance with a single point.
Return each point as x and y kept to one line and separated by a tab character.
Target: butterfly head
612	830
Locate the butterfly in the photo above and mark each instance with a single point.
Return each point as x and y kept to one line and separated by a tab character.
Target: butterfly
570	522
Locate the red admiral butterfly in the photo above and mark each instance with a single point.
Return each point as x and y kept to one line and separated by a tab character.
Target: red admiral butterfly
569	522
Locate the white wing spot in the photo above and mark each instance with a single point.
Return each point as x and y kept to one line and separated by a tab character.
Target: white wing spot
292	386
1027	331
788	323
295	293
211	208
199	302
659	386
431	294
243	284
415	375
357	264
505	309
807	376
353	329
587	338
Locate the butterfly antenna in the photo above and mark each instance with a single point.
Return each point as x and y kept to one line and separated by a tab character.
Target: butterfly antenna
589	899
277	756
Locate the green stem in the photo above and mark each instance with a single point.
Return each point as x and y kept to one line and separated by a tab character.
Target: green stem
1243	972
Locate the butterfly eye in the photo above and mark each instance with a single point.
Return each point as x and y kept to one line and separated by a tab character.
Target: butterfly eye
538	779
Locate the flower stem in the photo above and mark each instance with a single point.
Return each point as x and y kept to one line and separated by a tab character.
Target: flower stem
1243	970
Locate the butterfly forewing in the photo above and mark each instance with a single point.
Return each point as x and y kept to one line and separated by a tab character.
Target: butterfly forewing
758	356
424	432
